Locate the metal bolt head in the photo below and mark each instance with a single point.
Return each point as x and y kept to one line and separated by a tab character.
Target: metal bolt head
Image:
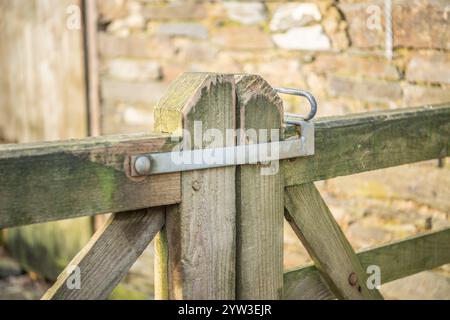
353	279
142	165
196	185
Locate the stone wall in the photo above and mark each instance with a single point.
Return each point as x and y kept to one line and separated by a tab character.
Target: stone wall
335	49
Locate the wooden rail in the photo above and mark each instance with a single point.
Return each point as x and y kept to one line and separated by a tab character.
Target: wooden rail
357	143
68	179
221	230
85	177
396	260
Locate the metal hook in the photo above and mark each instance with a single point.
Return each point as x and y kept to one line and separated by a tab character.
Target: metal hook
300	93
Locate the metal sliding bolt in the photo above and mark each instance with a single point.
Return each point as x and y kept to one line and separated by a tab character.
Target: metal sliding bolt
142	165
301	93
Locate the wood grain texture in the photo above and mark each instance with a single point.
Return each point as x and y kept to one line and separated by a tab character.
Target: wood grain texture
67	179
327	245
362	142
42	92
161	265
92	75
201	230
91	64
396	260
259	203
109	255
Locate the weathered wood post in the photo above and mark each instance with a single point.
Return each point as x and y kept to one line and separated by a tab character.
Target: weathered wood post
259	203
226	238
201	236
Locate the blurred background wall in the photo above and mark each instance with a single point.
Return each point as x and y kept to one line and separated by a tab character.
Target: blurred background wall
42	76
335	49
42	97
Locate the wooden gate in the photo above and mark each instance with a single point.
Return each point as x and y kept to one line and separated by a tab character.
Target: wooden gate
220	231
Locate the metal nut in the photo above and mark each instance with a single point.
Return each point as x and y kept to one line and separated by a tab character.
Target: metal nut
142	165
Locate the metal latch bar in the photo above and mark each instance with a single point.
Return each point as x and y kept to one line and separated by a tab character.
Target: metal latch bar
200	159
189	160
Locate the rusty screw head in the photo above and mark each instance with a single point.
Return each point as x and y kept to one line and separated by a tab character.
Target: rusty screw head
142	165
196	185
353	279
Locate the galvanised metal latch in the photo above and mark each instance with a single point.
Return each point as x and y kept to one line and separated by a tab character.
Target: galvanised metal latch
189	160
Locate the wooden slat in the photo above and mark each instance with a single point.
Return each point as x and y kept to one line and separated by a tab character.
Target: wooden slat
92	79
260	203
363	142
327	245
201	233
68	179
109	255
396	260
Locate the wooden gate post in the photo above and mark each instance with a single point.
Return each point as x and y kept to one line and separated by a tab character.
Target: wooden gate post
200	231
259	200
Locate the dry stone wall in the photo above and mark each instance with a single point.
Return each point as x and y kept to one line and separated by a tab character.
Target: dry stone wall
335	49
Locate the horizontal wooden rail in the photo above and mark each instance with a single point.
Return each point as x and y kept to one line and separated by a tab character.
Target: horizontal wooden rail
68	179
369	141
396	260
62	180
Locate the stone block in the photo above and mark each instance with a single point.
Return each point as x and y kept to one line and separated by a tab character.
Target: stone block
431	67
365	23
422	24
416	95
246	13
416	24
110	10
311	38
292	15
135	46
356	65
369	90
190	30
133	92
133	69
245	37
179	10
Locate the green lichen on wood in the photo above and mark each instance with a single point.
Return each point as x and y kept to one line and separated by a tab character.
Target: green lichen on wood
168	112
209	98
70	179
259	198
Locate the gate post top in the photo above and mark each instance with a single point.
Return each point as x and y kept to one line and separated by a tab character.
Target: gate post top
183	95
250	86
201	235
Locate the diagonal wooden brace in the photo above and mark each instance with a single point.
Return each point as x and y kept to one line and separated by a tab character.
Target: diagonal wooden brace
327	245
